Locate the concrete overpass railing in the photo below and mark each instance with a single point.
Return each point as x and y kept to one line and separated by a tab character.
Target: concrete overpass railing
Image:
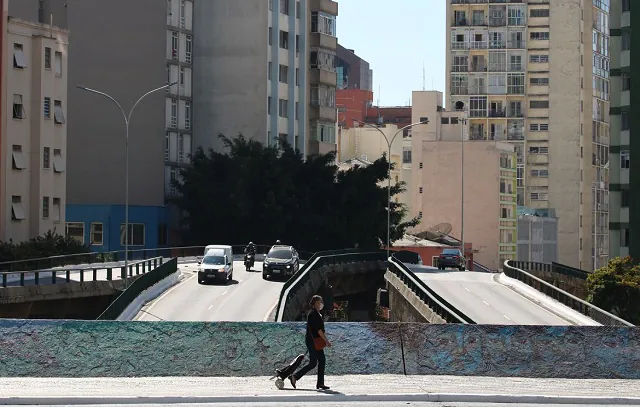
599	315
569	279
294	293
223	349
436	304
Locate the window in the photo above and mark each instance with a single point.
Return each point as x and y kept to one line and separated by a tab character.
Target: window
181	76
284	7
136	234
626	81
625	159
538	150
47	58
284	39
538	104
269	68
167	144
537	35
55	216
188	49
75	230
539	196
539	81
283	108
539	127
182	13
180	148
540	12
97	238
625	40
624	119
283	74
269	105
297	44
444	120
271	5
325	133
270	36
45	207
626	5
282	138
322	95
624	198
454	120
421	165
298	11
163	234
58	162
47	108
174	45
58	63
18	159
625	237
46	158
297	76
539	59
420	190
540	173
406	156
19	60
323	23
174	113
18	107
323	60
58	113
297	110
187	115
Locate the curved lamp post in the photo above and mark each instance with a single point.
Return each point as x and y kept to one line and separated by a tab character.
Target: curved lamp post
389	143
127	120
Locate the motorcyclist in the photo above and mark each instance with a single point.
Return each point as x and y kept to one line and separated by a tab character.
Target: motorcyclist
250	249
278	242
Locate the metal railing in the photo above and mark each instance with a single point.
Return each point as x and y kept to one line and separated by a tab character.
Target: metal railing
551	268
432	299
87	273
599	315
318	260
479	267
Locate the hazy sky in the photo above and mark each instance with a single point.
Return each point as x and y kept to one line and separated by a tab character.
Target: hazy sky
396	37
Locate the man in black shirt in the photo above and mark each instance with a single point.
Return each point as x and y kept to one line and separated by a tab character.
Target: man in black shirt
315	333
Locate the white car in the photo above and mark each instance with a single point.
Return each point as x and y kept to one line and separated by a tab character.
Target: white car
216	265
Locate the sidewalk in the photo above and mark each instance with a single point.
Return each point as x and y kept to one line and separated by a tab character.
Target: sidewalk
380	388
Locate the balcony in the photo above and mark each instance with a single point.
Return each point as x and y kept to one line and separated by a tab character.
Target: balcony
321	77
323	113
319	40
497	113
477	134
479	44
460	22
480	66
515	113
517	44
477	90
460	45
497	44
328	6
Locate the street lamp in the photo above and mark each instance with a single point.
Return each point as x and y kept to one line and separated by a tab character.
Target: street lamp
463	124
389	143
127	120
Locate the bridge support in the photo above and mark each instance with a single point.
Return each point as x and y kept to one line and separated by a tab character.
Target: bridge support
406	306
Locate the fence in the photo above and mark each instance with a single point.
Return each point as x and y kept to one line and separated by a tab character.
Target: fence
599	315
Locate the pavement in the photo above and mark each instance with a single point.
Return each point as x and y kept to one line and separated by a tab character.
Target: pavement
485	300
346	390
247	298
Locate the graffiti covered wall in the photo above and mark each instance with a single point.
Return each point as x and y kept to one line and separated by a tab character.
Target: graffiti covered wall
118	349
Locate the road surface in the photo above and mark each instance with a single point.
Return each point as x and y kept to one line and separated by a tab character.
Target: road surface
247	298
484	300
249	403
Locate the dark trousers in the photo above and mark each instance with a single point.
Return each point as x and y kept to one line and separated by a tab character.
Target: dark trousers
316	357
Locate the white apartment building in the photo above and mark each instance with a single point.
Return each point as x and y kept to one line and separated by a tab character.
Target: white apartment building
536	75
34	131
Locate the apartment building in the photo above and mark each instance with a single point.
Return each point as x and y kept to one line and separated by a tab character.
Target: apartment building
4	10
625	178
125	49
536	75
438	189
274	76
353	71
34	130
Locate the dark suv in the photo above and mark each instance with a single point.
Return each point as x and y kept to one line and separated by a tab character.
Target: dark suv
281	261
452	258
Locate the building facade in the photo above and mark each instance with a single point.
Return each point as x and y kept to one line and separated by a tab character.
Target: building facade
353	106
536	76
107	57
4	11
438	189
34	132
625	177
353	71
537	235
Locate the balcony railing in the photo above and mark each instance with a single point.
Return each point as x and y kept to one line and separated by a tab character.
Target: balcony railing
479	44
477	135
497	113
515	113
460	45
516	44
497	45
477	90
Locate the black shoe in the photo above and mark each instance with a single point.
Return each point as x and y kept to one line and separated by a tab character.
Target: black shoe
293	381
322	387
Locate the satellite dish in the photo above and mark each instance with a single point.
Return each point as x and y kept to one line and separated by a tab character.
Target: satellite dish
363	157
436	232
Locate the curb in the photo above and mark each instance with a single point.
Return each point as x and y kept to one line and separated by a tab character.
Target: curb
326	397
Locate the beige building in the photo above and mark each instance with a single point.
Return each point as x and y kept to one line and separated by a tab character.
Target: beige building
34	139
489	181
368	144
536	75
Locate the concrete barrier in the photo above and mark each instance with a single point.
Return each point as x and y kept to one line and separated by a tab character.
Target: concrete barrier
122	349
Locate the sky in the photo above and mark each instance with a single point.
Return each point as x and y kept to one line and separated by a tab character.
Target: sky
396	37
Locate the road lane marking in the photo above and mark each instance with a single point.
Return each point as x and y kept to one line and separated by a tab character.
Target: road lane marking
210	306
467	289
266	317
161	297
486	303
507	317
225	293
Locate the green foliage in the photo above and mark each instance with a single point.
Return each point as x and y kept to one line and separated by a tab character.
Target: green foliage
51	244
261	193
616	288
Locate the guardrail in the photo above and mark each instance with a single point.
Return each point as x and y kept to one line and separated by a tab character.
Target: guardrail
45	263
54	276
479	267
318	260
599	315
553	267
137	287
434	301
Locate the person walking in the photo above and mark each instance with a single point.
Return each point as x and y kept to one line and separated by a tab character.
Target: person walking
316	341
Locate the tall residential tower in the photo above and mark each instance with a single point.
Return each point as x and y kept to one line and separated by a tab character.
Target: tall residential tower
536	74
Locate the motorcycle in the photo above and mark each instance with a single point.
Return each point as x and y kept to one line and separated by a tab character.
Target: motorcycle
249	260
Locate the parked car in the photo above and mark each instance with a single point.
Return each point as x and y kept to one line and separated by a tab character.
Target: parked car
216	265
281	261
452	258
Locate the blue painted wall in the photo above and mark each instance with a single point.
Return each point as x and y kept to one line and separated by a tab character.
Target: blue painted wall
112	216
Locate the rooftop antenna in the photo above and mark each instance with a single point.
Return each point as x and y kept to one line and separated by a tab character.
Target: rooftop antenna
379	91
424	80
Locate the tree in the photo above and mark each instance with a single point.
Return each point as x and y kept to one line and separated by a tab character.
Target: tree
50	244
261	193
616	288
